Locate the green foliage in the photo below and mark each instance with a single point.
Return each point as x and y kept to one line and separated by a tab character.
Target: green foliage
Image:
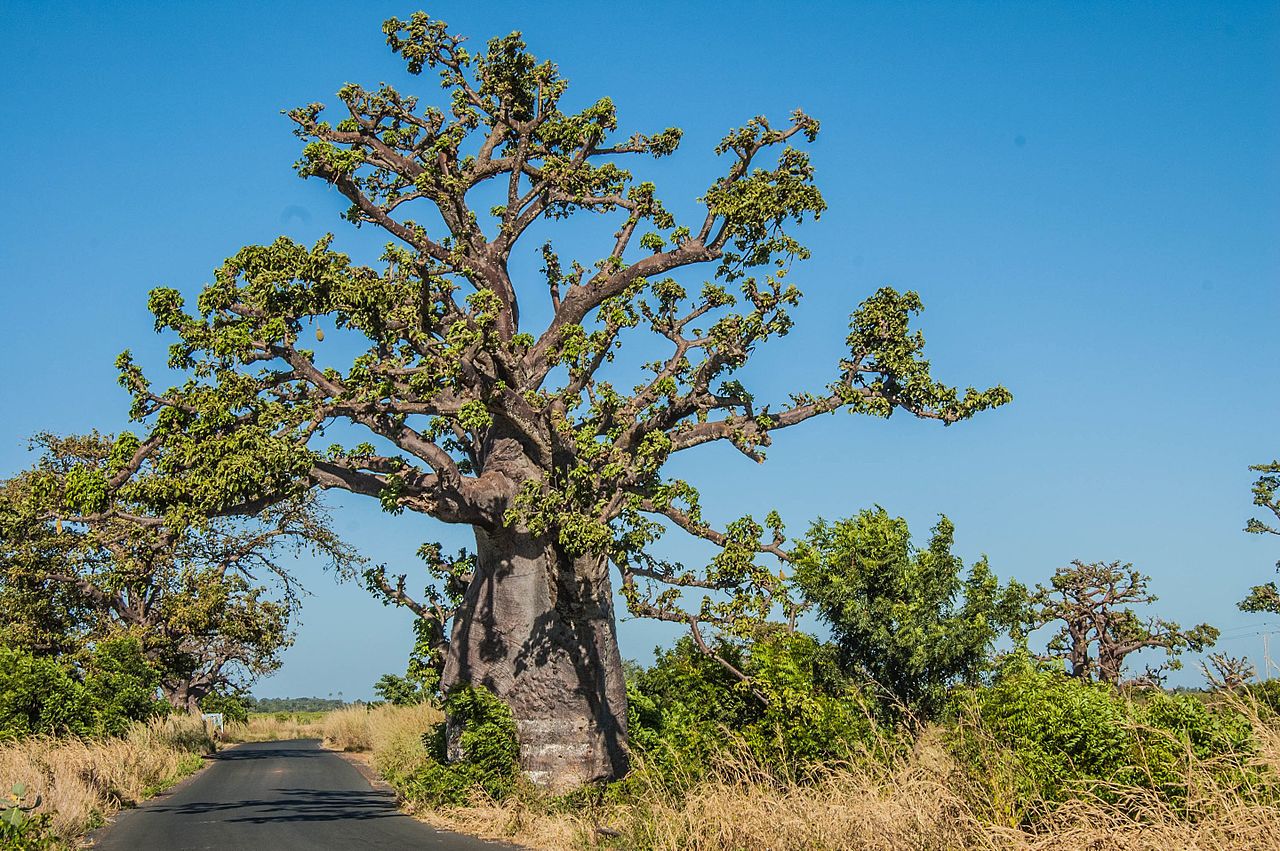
399	691
19	830
111	687
39	695
905	619
487	752
71	580
232	703
1051	737
797	712
121	684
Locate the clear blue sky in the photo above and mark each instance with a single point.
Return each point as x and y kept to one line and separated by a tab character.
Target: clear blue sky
1087	196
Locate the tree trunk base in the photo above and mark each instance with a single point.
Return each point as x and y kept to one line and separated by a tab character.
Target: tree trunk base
536	629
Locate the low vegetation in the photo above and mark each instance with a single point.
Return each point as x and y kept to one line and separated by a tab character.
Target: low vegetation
1038	760
79	783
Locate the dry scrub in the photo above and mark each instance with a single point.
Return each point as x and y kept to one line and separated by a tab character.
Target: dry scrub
392	733
271	728
81	783
918	799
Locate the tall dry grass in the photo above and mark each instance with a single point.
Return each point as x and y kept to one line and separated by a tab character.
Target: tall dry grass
272	728
915	798
82	782
392	734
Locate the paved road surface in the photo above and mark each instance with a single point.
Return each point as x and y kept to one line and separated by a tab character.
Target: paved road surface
276	796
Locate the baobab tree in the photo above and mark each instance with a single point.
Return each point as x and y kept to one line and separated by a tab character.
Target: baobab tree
534	437
1098	628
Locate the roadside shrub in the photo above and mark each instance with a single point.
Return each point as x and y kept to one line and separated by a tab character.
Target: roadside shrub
121	686
488	752
44	695
799	712
39	696
1036	738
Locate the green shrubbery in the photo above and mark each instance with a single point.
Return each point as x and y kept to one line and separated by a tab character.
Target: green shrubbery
798	709
1047	737
487	748
99	694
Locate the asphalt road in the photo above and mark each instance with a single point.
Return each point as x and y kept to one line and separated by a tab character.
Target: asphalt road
276	796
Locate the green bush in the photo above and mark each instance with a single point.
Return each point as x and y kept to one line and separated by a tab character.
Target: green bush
232	704
798	712
43	695
38	695
121	685
487	743
1037	736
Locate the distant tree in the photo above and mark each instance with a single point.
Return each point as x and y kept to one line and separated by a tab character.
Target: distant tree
80	528
909	620
1098	629
293	704
529	435
1265	598
1228	673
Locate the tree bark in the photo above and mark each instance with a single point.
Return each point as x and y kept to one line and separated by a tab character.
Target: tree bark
182	697
537	629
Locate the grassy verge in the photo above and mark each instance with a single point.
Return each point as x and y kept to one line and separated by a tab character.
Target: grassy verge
911	793
81	783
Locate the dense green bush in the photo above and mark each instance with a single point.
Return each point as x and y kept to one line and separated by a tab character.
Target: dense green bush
38	695
111	687
121	685
1045	737
489	752
798	711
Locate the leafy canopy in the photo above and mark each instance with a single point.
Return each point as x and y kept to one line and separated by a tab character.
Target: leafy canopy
473	418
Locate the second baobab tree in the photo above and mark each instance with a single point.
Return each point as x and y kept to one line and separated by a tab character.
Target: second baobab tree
1092	605
534	436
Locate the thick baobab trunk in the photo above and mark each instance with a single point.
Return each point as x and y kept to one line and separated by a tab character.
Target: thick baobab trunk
537	629
182	697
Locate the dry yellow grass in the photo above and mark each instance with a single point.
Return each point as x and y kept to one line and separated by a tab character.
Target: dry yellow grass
269	728
392	733
81	783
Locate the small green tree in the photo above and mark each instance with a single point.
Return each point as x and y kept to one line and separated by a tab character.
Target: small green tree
1097	627
908	620
1265	597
